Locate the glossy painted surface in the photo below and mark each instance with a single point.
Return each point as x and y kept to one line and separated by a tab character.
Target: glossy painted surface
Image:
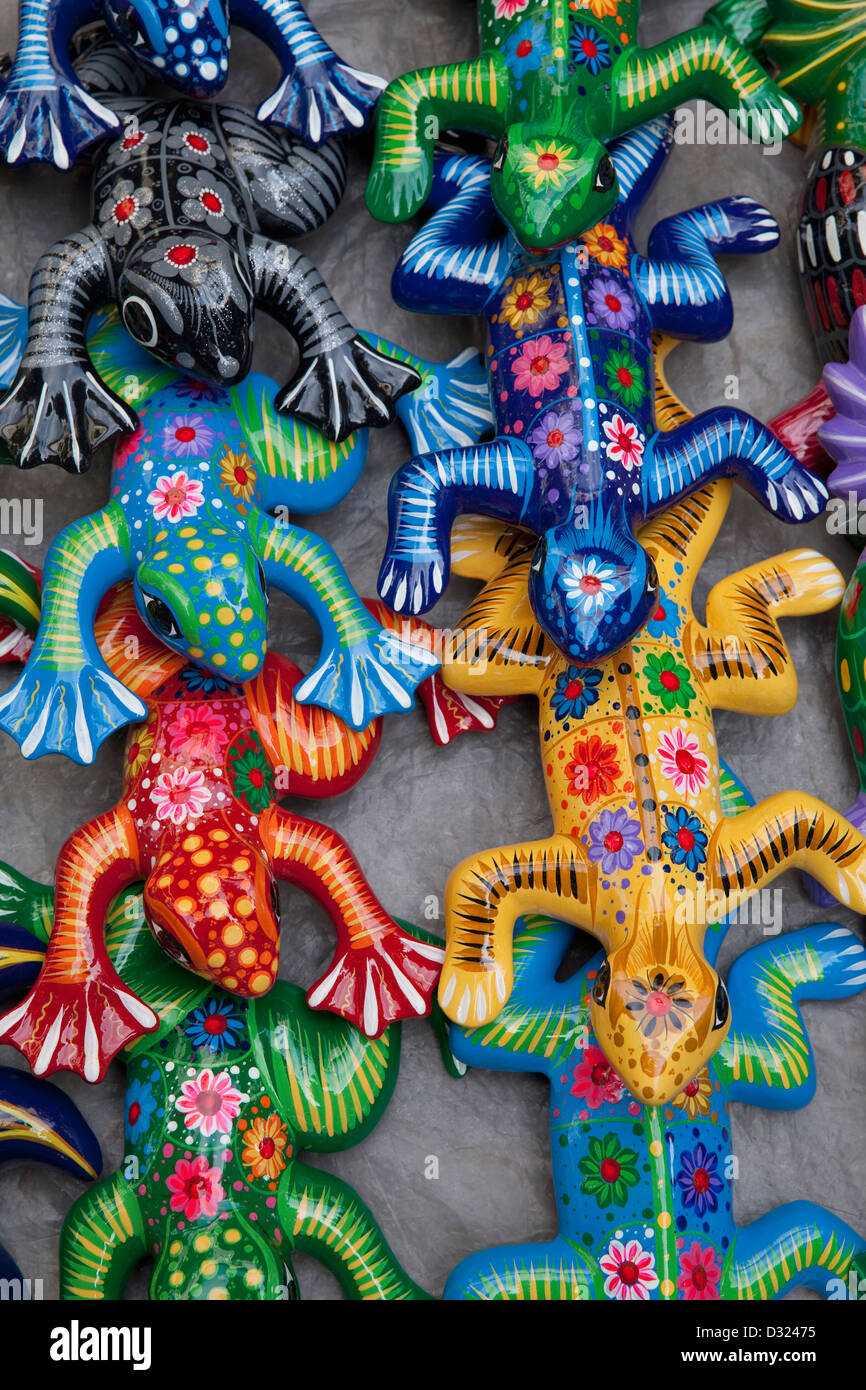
577	457
46	114
645	1196
555	82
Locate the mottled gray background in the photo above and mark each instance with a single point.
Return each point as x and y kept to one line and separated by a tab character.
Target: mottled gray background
421	809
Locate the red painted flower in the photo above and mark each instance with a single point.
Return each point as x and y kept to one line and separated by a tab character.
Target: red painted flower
594	770
595	1081
196	1188
699	1274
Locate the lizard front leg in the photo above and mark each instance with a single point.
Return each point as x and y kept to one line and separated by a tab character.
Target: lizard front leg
484	897
379	973
80	1013
413	111
57	409
342	383
66	700
364	670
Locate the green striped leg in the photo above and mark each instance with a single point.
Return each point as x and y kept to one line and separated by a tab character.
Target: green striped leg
551	1271
103	1240
799	1245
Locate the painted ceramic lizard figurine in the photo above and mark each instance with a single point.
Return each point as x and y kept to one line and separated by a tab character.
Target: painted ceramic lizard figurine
576	456
199	820
641	853
219	1102
199	501
554	83
47	114
645	1195
187	202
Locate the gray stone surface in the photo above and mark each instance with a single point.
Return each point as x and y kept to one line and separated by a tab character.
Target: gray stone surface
421	810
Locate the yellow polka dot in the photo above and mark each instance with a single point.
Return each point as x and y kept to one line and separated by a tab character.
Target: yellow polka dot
249	661
230	561
209	883
253	1278
218	910
244	908
175	569
218	1295
664	1219
656	1148
175	1278
213	588
216	959
209	1268
192	842
204	619
232	1236
845	676
174	1248
165	881
236	639
202	858
187	531
161	536
195	545
201	562
161	555
218	531
219	659
201	1243
219	835
559	51
667	1288
240	865
260	982
185	904
247	614
248	956
233	934
225	615
196	652
230	982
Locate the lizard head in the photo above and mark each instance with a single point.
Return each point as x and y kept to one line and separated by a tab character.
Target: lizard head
212	904
189	300
660	1012
185	44
591	597
548	187
202	591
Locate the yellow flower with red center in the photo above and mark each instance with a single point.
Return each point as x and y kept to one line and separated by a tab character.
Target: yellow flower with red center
139	747
264	1145
603	244
696	1098
526	301
238	475
600	8
549	162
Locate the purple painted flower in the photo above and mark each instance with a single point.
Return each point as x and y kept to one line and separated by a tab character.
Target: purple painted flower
187	437
614	840
699	1181
610	304
556	438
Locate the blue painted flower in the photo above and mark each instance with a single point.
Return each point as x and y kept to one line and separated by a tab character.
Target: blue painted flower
140	1107
576	689
665	621
614	840
699	1181
217	1025
203	681
611	305
556	438
589	48
526	49
685	837
190	389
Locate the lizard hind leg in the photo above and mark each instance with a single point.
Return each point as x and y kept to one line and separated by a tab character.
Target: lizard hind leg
799	1245
549	1271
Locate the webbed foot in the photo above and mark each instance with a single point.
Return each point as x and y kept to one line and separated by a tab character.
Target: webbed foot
69	712
396	192
391	978
324	99
348	388
50	124
60	414
796	496
410	584
76	1025
376	676
472	996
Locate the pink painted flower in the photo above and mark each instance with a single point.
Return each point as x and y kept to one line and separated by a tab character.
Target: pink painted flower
595	1080
195	1188
539	365
197	731
630	1271
209	1102
179	795
507	9
624	444
699	1274
175	497
682	762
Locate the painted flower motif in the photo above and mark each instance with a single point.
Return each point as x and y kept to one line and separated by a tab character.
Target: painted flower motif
682	762
589	48
595	1081
624	442
539	365
210	1102
216	1025
669	680
665	621
140	1107
600	8
264	1147
590	585
188	437
526	301
605	246
252	778
194	143
197	731
556	438
625	376
659	1004
180	795
576	691
699	1180
696	1097
700	1275
548	162
195	1187
611	305
184	258
614	841
630	1270
207	200
609	1170
685	838
526	49
204	682
175	496
507	9
136	138
126	209
238	475
594	769
138	749
189	388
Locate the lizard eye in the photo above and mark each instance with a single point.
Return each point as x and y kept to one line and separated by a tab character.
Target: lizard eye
501	155
601	986
605	176
161	618
127	26
723	1007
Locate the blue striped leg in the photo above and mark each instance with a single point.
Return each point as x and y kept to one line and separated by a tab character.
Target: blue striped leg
426	494
799	1245
552	1270
728	443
